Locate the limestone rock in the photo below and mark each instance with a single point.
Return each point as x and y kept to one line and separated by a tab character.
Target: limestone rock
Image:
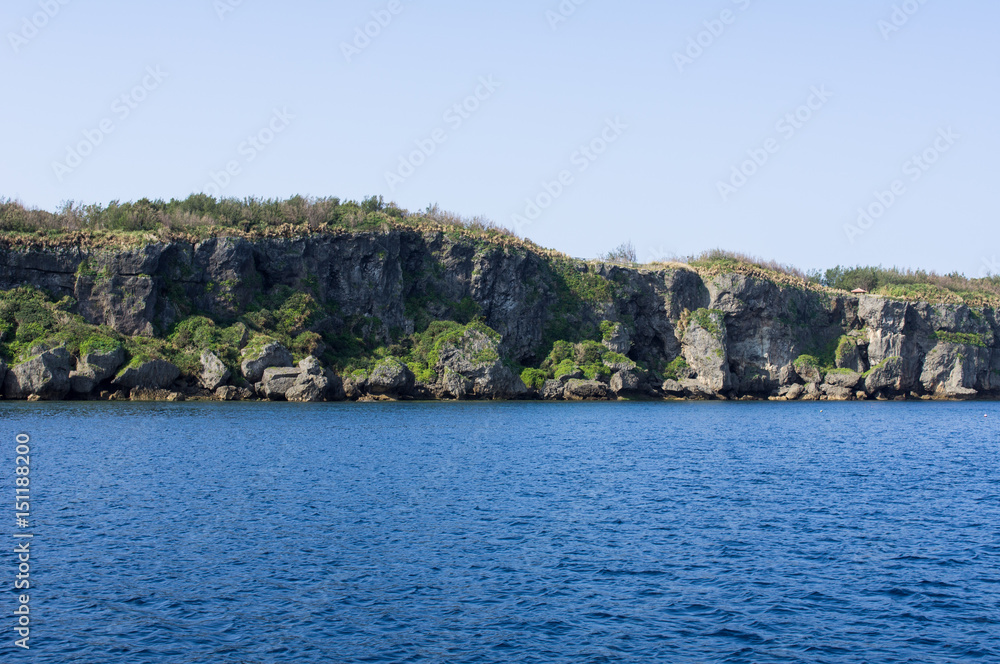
808	373
625	383
391	378
565	378
553	389
149	374
950	371
849	379
81	383
475	356
227	393
312	366
849	356
153	394
214	372
309	388
45	376
456	386
356	385
619	364
885	376
788	375
812	392
256	360
618	339
835	393
672	388
277	381
581	390
694	389
94	368
795	392
705	349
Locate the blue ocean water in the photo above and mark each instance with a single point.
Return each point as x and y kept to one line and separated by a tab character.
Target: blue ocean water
508	532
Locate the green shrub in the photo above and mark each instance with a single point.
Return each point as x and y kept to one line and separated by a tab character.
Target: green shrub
807	361
98	343
676	368
618	359
534	378
564	368
595	371
590	352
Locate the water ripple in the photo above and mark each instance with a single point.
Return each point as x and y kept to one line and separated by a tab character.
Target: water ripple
736	533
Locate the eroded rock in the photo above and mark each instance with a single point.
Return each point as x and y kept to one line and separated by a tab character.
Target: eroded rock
257	359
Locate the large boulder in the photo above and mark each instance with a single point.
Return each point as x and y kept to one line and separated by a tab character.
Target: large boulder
214	373
884	377
625	383
553	389
950	371
258	358
309	388
391	377
705	349
356	385
148	374
277	381
314	383
848	355
841	378
835	393
585	390
787	375
94	368
808	372
44	376
454	385
795	392
672	388
469	366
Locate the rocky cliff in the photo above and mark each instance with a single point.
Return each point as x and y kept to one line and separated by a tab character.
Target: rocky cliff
407	314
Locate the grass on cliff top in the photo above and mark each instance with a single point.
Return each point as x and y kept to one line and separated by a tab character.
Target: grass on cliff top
893	283
200	216
914	285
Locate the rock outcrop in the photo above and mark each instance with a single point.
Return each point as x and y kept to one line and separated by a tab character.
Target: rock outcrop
470	367
94	368
44	376
214	372
705	348
257	359
151	374
585	390
670	330
391	377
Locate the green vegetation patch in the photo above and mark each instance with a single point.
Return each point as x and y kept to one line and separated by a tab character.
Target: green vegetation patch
534	378
962	338
845	346
676	369
709	320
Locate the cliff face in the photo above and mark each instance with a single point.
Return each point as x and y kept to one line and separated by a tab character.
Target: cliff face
685	333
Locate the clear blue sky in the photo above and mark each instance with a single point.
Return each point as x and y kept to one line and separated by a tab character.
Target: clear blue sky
681	128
